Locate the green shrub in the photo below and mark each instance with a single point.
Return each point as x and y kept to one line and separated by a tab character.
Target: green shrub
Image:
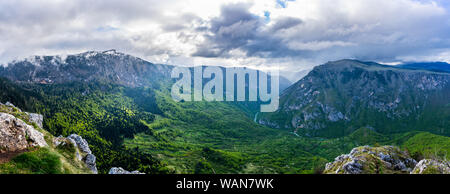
203	167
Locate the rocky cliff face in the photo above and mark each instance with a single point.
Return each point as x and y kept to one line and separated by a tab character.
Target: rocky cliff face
384	160
349	93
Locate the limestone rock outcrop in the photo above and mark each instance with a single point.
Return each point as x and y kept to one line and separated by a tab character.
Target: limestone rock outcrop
16	135
82	151
384	160
119	170
86	153
22	131
372	160
430	166
36	118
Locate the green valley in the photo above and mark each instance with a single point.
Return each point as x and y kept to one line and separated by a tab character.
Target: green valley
135	123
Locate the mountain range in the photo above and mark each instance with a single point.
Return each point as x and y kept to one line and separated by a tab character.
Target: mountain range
122	106
108	65
339	97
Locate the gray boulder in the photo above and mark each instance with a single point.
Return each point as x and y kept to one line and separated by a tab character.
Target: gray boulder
372	160
430	166
36	118
90	162
10	104
120	170
86	155
16	135
62	141
353	167
81	143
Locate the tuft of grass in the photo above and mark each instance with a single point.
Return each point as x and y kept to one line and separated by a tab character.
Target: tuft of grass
39	161
68	150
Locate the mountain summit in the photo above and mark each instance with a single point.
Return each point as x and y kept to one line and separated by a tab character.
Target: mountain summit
107	65
339	97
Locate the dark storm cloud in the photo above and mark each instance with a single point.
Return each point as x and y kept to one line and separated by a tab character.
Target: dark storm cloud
237	28
414	29
286	23
234	28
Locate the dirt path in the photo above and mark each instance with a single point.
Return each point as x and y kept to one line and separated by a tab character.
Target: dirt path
6	157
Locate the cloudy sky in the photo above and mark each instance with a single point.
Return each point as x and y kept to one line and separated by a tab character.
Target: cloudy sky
293	34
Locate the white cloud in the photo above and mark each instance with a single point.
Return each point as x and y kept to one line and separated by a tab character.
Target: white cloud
317	45
302	34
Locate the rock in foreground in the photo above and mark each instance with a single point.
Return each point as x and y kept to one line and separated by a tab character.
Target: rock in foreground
384	160
119	170
83	152
16	135
427	166
36	118
372	160
22	135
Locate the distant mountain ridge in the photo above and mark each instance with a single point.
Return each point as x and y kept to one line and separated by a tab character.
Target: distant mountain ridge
338	97
110	66
430	66
107	65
